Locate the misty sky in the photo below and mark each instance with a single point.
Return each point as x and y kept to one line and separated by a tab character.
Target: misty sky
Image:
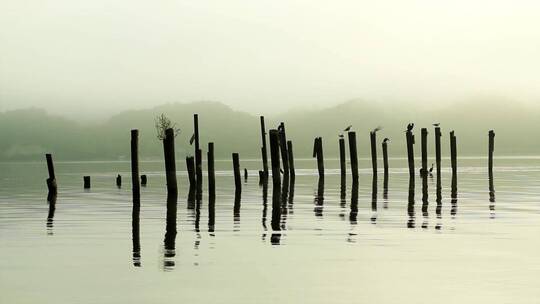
101	56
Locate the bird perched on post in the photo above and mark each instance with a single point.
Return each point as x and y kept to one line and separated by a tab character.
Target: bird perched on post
410	126
386	140
347	128
436	124
340	135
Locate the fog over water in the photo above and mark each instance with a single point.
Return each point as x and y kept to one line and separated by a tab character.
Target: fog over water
94	58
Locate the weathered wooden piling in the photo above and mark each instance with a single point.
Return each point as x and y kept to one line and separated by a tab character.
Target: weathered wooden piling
283	148
291	159
318	153
236	170
211	170
438	151
385	157
491	148
373	140
353	155
170	163
86	180
245	174
453	160
198	156
410	153
135	186
190	165
51	181
423	142
144	180
342	166
264	151
274	158
119	181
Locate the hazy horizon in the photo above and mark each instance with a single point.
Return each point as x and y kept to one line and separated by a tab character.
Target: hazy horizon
94	59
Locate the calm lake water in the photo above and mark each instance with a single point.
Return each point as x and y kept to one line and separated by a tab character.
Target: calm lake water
475	249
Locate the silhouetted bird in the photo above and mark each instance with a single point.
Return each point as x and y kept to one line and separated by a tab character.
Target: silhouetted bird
386	140
426	172
347	128
192	139
436	124
340	135
410	127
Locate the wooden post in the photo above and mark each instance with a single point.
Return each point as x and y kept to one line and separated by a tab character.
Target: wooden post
198	156
438	151
245	174
135	186
342	166
190	165
385	157
211	172
410	154
424	134
86	180
51	181
453	155
236	169
283	149
491	148
264	152
144	180
291	159
119	181
274	157
318	152
170	163
373	139
353	155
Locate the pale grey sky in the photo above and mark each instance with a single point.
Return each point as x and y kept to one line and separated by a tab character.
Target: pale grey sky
75	56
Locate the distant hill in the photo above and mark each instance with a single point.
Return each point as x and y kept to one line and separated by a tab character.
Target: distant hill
28	134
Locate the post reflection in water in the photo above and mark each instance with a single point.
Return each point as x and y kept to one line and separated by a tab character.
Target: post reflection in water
491	195
236	210
265	204
211	214
291	195
425	202
410	205
276	215
284	201
354	203
385	190
51	198
135	232
319	198
438	209
374	199
343	196
454	195
170	232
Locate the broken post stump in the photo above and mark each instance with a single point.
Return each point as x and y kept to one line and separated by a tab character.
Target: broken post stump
190	165
291	159
135	187
119	181
236	170
51	181
86	180
373	140
144	180
170	163
318	153
211	171
353	155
